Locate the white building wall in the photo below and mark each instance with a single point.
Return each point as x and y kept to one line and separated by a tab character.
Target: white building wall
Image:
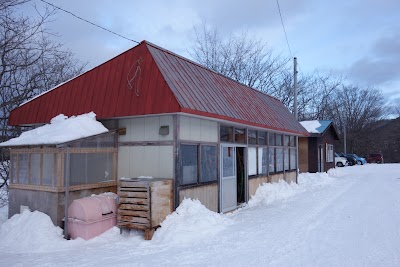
198	130
146	128
145	160
155	161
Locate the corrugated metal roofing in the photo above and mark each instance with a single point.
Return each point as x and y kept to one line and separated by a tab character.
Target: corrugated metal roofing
167	83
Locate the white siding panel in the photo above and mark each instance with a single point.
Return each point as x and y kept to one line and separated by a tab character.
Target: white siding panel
123	162
166	162
164	121
209	131
184	128
155	161
151	128
137	131
137	161
196	129
125	123
146	129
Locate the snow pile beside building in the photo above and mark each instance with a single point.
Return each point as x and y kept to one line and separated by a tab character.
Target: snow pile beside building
30	232
60	130
190	222
310	181
272	192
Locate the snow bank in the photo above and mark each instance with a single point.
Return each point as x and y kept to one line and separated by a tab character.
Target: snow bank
281	191
272	192
60	130
30	232
311	126
190	222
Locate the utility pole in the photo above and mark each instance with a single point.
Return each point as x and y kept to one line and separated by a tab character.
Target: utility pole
295	87
344	137
295	114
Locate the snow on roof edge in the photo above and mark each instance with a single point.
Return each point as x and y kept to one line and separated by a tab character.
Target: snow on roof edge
60	130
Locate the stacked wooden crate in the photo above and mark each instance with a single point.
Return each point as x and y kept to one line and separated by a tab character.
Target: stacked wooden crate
144	203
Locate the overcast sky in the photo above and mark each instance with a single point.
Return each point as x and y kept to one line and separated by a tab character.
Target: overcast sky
357	39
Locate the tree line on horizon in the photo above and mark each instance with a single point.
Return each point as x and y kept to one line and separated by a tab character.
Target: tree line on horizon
249	60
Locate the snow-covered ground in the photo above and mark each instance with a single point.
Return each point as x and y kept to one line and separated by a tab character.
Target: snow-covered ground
348	217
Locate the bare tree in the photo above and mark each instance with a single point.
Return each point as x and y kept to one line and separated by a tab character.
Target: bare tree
243	58
356	110
250	61
31	63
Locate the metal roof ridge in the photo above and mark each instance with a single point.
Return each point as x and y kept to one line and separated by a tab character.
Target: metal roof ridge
205	68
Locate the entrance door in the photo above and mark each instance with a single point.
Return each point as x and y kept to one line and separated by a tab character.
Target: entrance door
228	178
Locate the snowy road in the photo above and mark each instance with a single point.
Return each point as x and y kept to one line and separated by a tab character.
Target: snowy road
350	218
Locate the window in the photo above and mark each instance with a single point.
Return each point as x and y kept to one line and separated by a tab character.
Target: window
229	162
293	158
197	169
286	141
279	140
272	139
189	156
262	138
252	137
262	160
292	141
271	160
329	153
240	135
226	134
208	163
252	161
279	159
286	159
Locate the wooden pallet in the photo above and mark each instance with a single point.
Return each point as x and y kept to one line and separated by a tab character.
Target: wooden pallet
144	203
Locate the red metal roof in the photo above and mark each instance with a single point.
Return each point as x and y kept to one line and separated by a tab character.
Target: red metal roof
163	83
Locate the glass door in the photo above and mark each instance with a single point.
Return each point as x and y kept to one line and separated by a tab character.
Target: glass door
228	178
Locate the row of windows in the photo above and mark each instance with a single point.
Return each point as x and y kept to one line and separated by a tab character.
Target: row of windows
238	135
279	159
199	162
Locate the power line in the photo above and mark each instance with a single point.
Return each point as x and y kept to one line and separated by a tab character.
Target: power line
283	26
94	24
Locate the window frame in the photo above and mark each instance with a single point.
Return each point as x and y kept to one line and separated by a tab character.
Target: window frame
199	181
329	155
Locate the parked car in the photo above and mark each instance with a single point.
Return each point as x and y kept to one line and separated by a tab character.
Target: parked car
360	160
375	158
350	158
340	161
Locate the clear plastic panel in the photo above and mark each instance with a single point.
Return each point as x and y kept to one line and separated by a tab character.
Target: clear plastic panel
23	168
90	168
48	174
34	170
